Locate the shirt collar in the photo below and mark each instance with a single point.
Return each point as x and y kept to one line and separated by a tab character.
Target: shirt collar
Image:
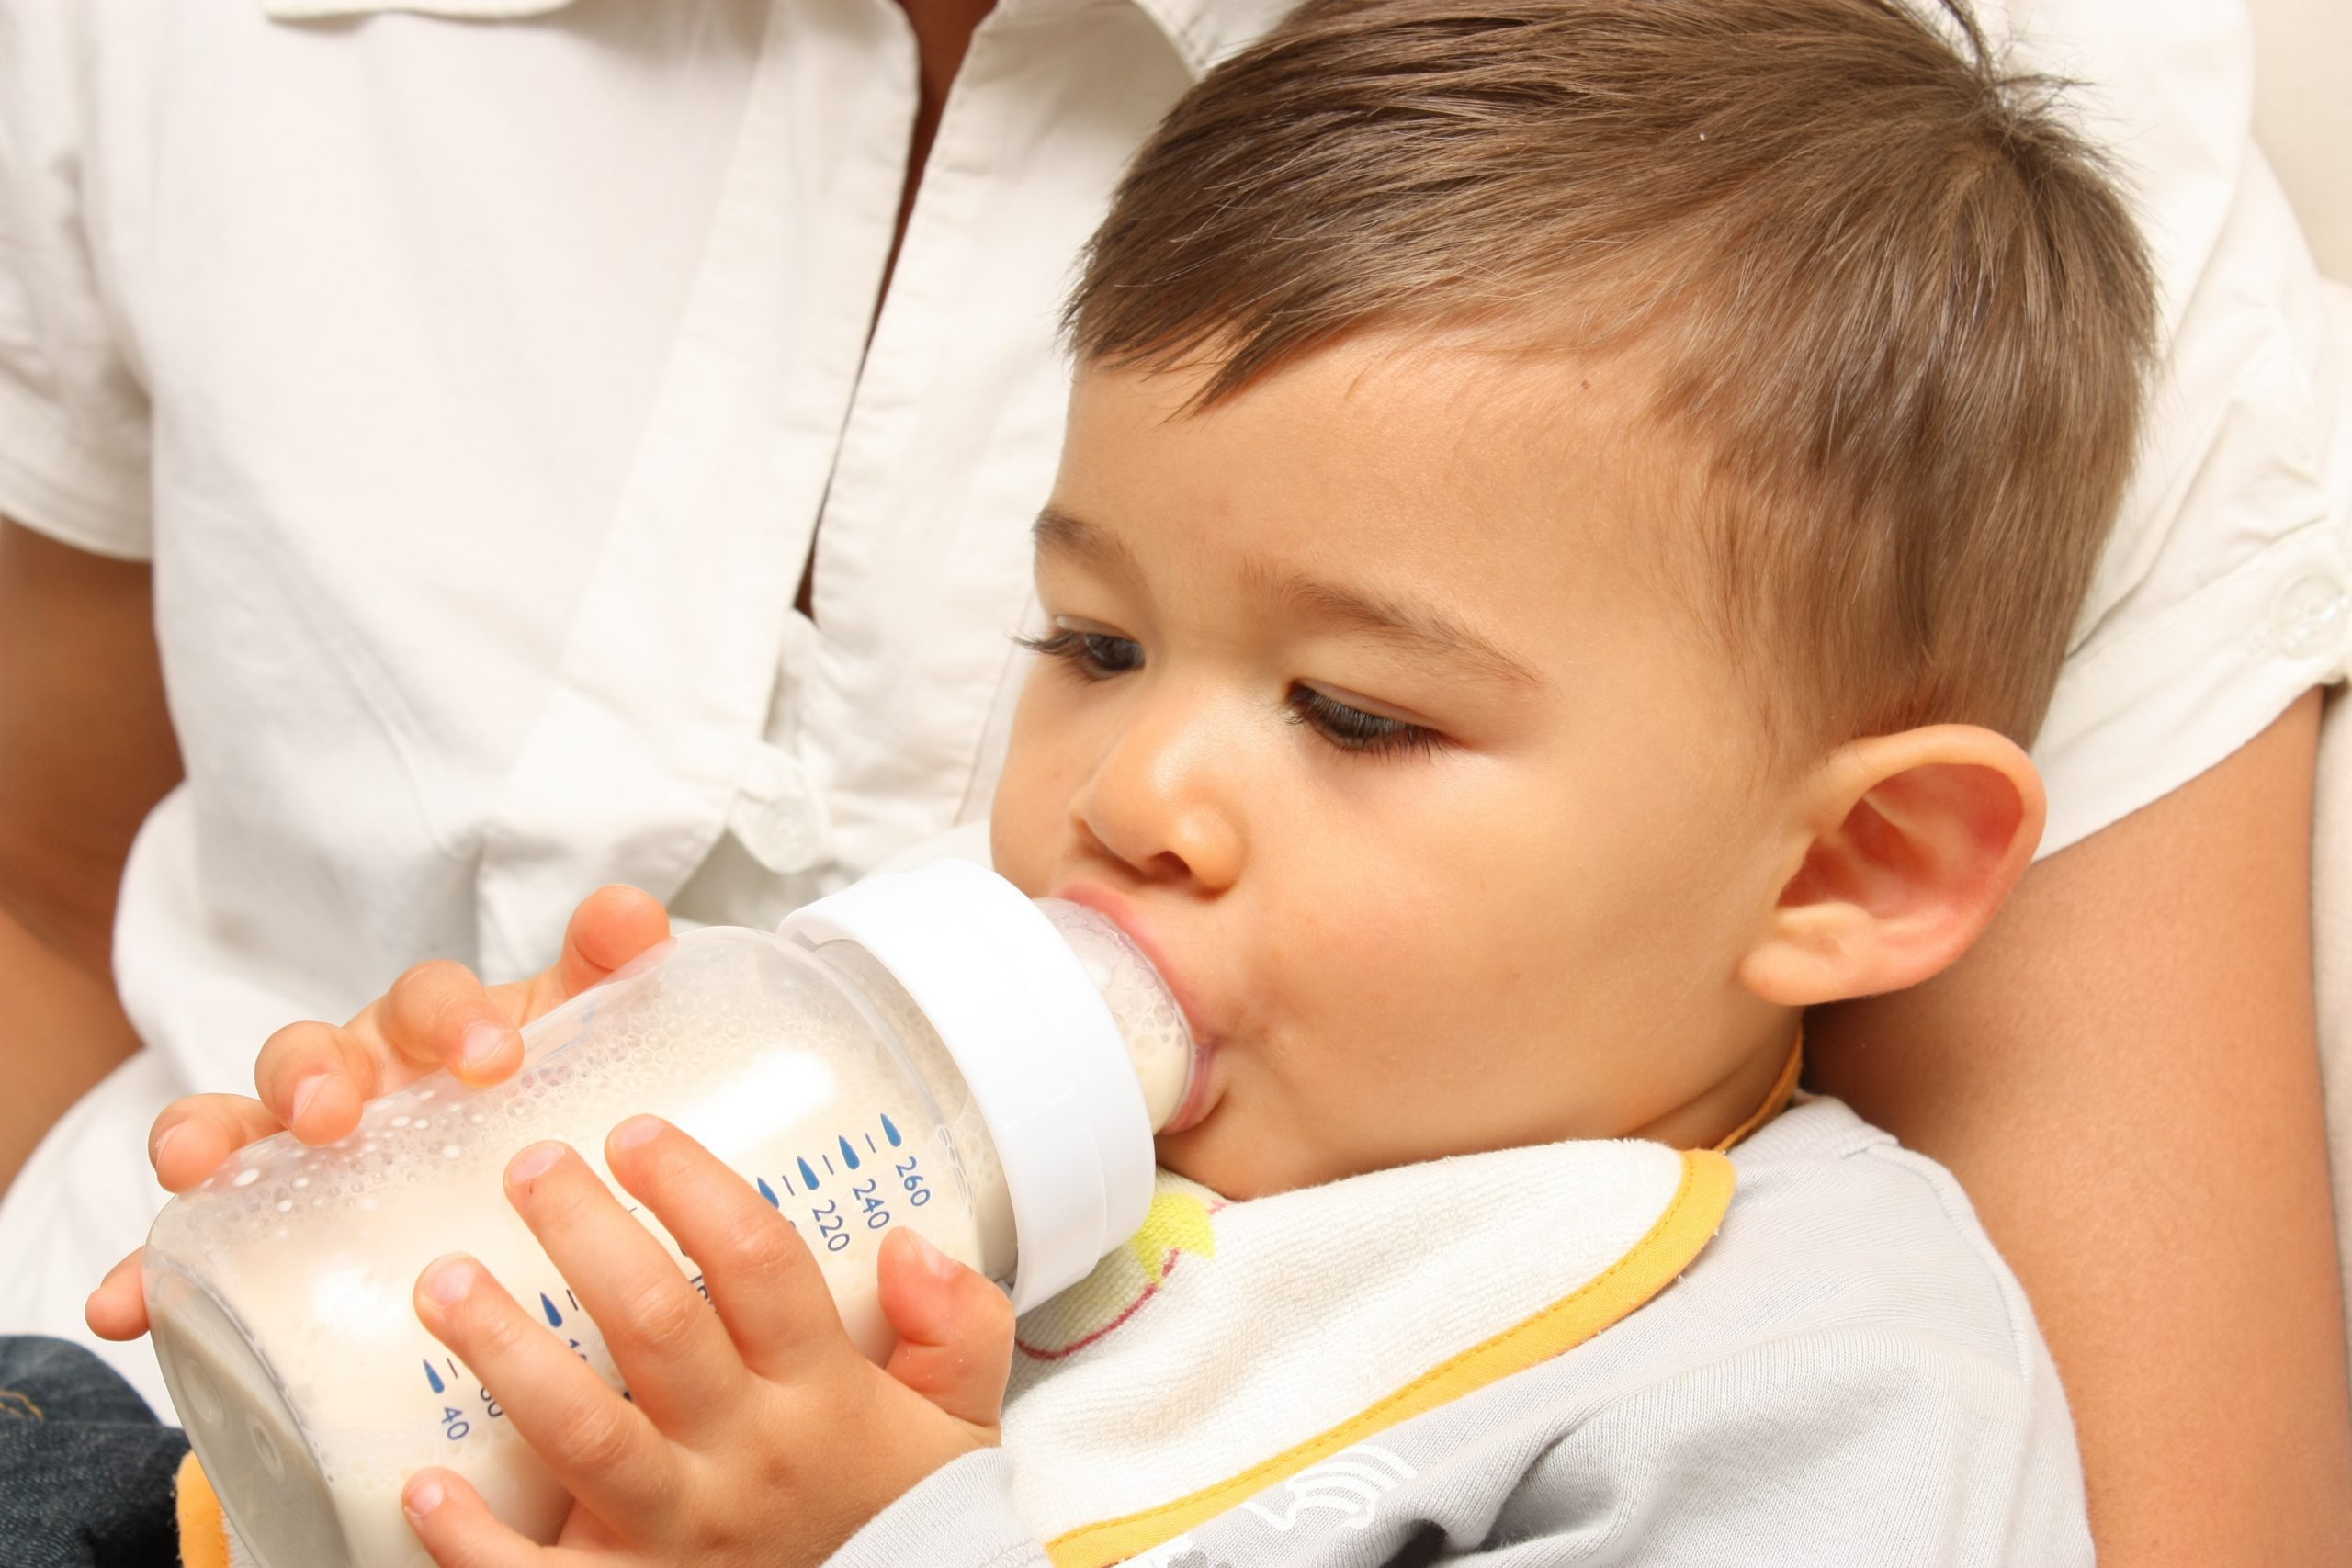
470	10
1204	31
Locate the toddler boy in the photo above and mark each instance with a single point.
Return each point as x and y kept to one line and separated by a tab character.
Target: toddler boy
1571	510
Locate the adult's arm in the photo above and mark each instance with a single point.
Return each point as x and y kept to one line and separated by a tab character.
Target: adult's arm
85	748
2124	1076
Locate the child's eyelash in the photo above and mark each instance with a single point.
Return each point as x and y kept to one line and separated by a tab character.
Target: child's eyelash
1097	656
1353	729
1092	656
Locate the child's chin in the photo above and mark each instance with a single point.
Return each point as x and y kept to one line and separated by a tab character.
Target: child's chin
1223	1155
1193	1155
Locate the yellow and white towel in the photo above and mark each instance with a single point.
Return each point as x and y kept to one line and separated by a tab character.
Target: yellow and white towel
1232	1346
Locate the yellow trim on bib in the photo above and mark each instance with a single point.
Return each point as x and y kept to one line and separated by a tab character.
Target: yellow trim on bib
1689	1223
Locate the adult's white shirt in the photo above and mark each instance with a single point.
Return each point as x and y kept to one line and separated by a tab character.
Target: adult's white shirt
476	375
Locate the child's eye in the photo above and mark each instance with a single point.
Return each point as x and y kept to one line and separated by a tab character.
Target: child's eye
1094	656
1098	656
1353	729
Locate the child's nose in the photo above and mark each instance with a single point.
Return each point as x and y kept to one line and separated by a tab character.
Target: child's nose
1159	801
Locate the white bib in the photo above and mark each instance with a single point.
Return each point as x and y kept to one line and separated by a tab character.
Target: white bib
1232	1346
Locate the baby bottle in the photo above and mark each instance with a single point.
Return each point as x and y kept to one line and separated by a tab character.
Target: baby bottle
926	1049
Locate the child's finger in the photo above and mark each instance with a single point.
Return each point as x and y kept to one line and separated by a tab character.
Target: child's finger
760	1274
600	1447
955	1330
118	1308
672	1354
458	1527
192	1136
313	1076
440	1014
613	926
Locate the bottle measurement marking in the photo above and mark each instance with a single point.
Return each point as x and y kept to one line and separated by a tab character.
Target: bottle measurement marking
830	1223
808	1178
457	1423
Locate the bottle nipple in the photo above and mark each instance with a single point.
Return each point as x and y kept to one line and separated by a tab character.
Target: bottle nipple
1159	1044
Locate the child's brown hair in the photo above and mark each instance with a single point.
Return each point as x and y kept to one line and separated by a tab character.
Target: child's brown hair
1885	298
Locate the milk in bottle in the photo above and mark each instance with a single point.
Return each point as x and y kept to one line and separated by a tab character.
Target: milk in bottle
927	1050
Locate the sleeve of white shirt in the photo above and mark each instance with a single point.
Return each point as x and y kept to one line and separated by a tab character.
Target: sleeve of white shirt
2223	594
73	415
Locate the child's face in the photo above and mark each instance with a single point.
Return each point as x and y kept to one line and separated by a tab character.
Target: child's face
1434	805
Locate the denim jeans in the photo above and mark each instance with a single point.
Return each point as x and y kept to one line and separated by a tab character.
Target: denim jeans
86	1469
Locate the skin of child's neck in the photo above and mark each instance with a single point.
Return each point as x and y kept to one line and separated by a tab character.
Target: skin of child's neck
1580	897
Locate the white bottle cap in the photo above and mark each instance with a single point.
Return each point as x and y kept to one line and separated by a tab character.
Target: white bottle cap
1035	1042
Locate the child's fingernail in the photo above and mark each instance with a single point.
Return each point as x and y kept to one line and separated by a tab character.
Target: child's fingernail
938	1262
306	1093
422	1497
162	1140
447	1282
480	1045
533	1162
636	1131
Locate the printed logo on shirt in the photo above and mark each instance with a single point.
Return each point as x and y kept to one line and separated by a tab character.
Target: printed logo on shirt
1349	1484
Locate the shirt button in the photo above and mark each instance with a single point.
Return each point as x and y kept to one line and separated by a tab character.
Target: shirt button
2310	615
779	815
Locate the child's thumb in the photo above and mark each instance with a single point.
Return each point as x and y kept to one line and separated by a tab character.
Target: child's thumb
955	1330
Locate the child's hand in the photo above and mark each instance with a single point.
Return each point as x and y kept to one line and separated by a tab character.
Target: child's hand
313	1077
756	1434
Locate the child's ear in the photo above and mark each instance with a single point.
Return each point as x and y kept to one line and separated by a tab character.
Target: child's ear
1911	842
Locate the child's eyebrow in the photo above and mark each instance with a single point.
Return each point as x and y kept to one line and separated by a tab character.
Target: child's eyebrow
1414	628
1056	532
